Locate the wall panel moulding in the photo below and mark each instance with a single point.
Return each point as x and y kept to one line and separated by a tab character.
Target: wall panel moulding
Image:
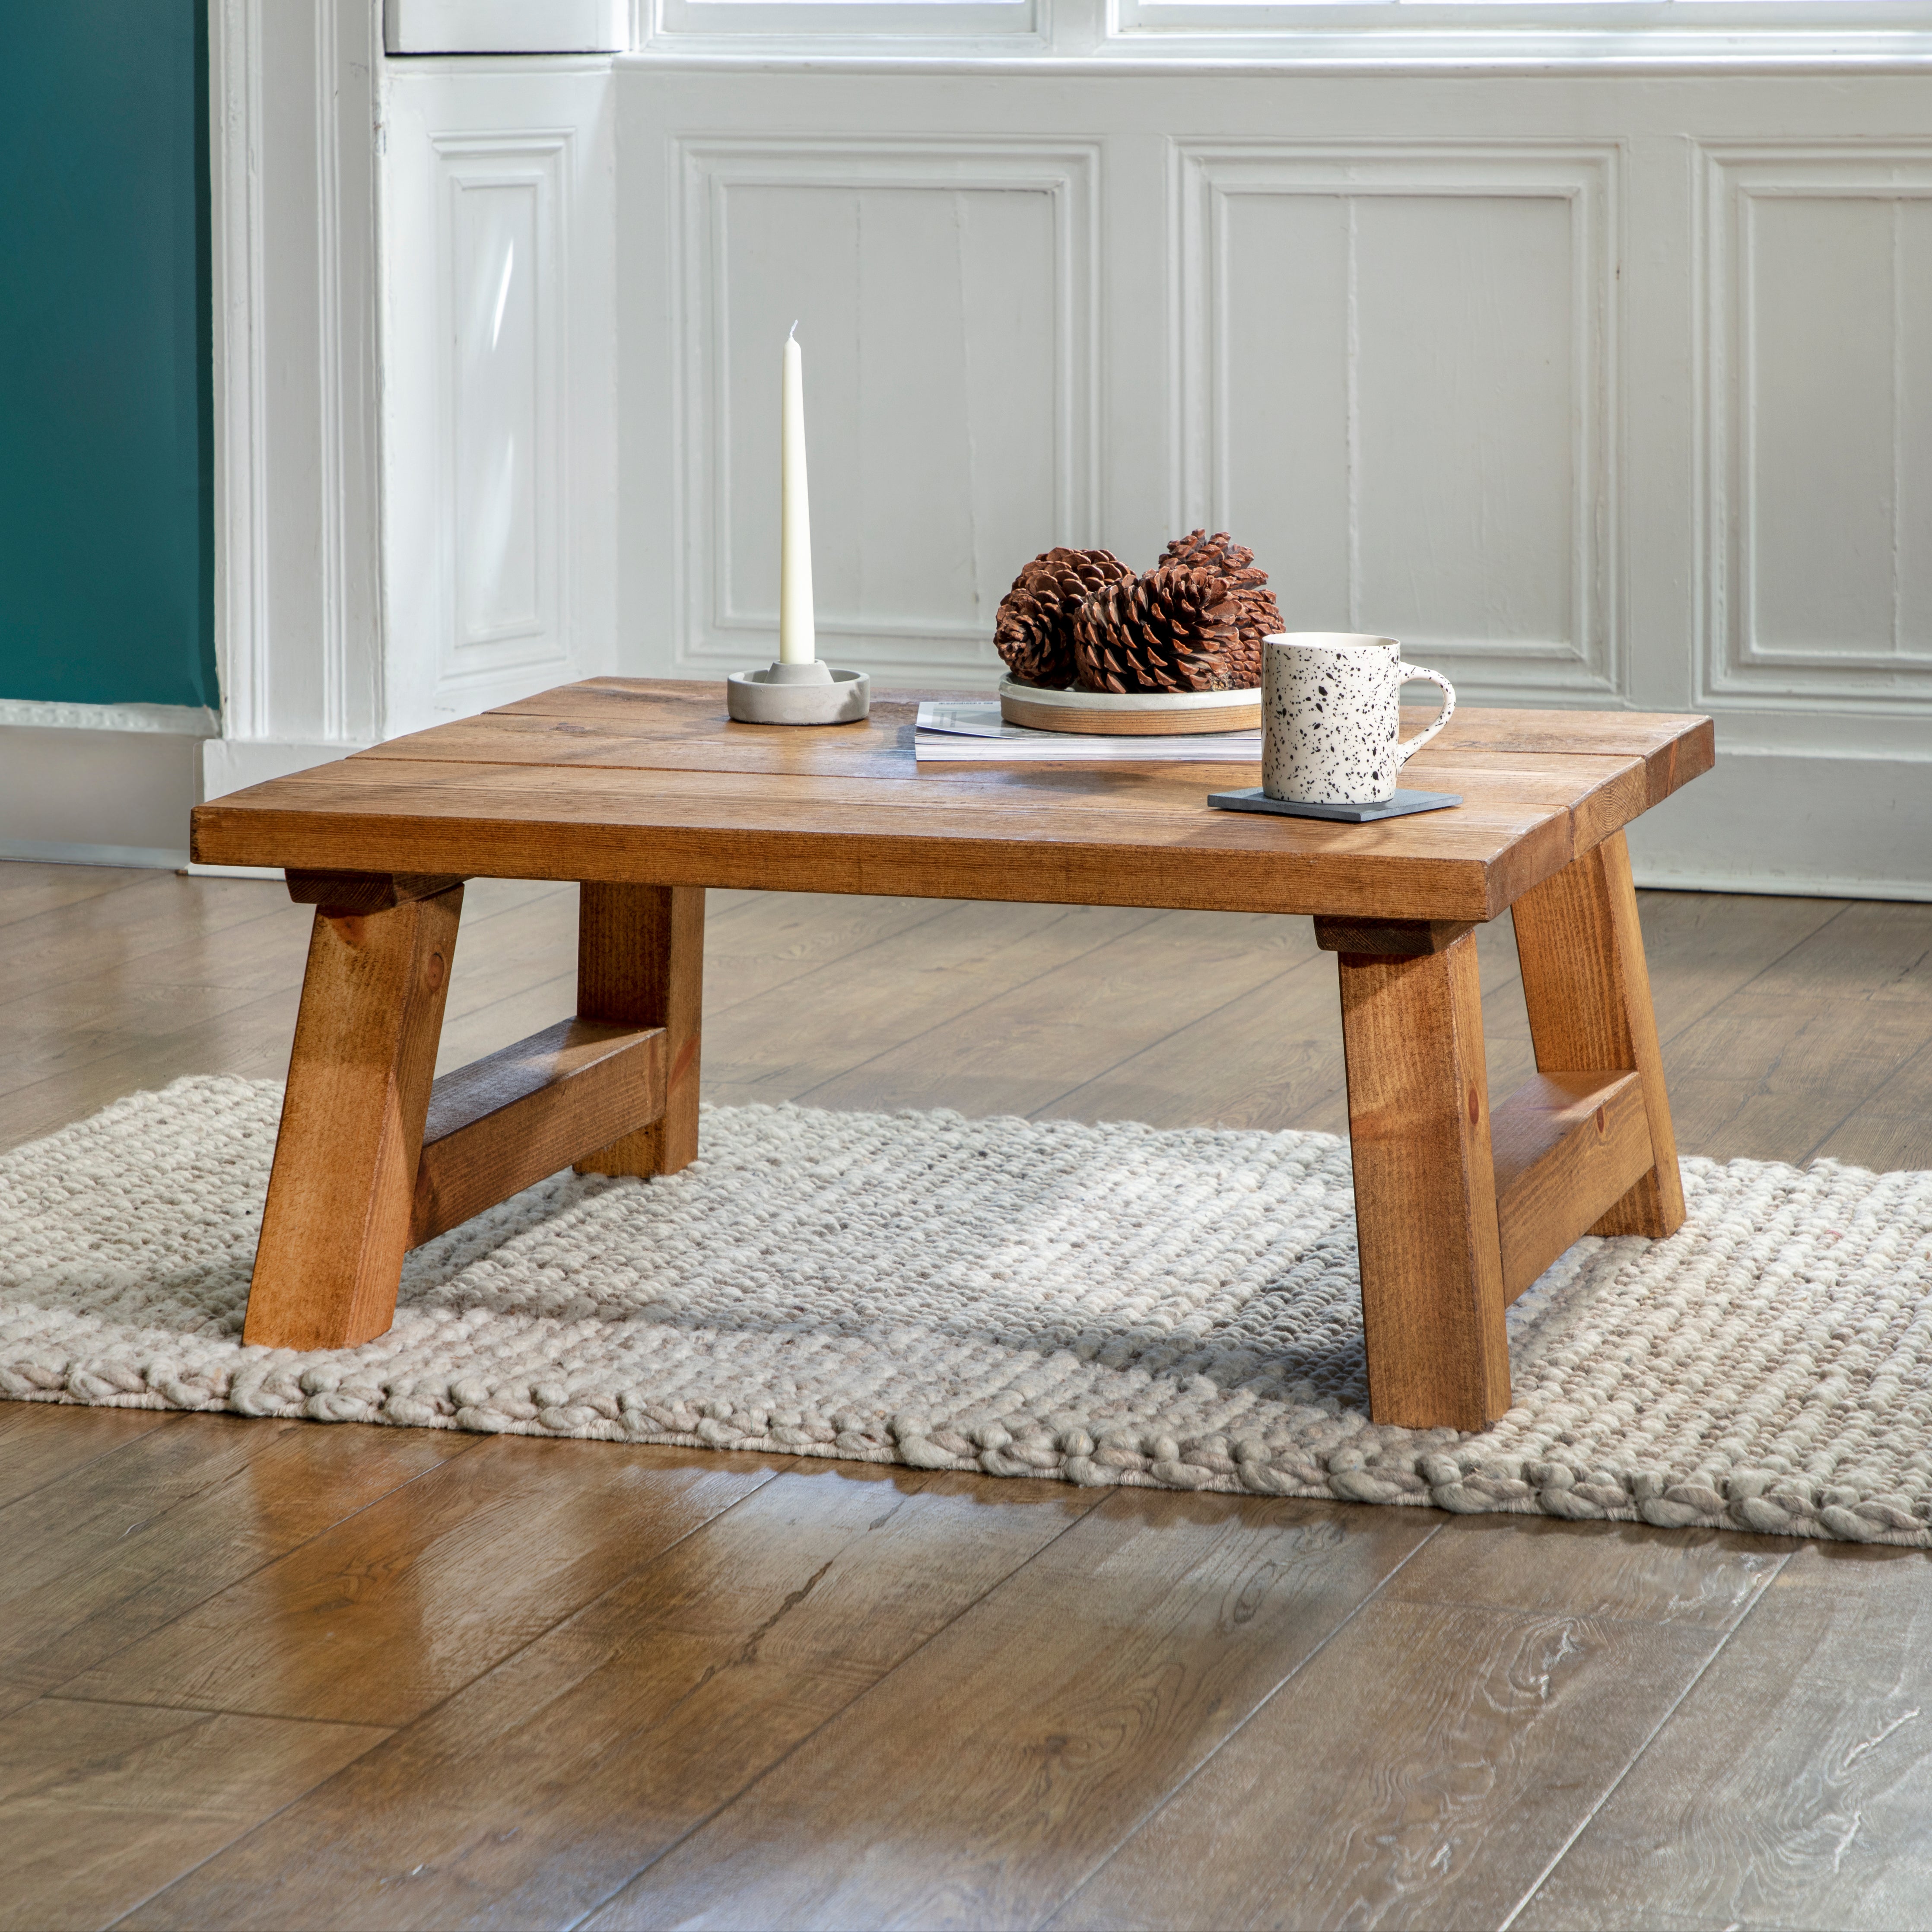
1400	359
76	790
948	296
1817	275
499	422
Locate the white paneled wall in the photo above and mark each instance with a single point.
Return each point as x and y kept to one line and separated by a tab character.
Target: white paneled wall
904	261
1820	313
1395	365
1595	388
500	515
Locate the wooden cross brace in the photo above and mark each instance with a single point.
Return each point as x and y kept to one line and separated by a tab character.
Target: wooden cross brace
375	1156
1459	1209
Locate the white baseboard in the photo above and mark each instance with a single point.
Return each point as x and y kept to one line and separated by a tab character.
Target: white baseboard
177	721
233	764
113	784
72	794
68	852
1796	886
1784	822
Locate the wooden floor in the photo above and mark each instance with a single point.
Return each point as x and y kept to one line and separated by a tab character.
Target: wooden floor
288	1676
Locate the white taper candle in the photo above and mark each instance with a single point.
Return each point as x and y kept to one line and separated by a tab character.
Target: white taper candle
798	642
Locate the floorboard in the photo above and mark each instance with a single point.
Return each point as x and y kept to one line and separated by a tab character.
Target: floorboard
536	1793
102	1805
1793	1785
1425	1771
123	1546
26	889
40	1442
488	1551
979	1783
279	1674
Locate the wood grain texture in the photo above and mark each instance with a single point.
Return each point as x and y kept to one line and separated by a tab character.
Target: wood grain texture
1877	952
623	828
160	909
103	1804
1672	748
1425	1188
1598	792
1269	1057
99	1558
1432	1759
1389	938
1621	1572
40	1442
882	747
777	938
1587	986
96	1004
1423	1770
641	963
1762	1074
1792	1786
504	1122
505	1542
336	1225
1568	1146
27	889
345	895
105	1019
536	1793
1892	1127
987	1776
651	784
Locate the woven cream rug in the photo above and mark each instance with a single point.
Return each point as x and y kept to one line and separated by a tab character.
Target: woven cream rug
1106	1304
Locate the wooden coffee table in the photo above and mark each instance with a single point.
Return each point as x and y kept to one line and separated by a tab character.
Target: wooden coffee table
645	794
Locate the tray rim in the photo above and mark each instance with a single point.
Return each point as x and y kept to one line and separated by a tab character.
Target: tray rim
1152	713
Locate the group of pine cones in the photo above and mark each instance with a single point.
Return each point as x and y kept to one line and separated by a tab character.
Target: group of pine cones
1194	623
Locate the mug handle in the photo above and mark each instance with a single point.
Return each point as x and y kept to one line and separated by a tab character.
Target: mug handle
1408	749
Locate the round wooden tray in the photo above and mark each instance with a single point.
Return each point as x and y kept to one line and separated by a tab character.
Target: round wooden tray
1142	713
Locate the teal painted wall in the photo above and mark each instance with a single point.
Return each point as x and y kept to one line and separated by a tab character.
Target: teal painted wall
106	555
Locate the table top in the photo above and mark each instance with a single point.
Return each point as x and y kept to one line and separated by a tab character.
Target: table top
648	782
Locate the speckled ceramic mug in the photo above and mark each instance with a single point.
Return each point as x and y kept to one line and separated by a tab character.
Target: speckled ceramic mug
1331	729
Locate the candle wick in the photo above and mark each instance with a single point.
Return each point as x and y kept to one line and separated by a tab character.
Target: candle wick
793	335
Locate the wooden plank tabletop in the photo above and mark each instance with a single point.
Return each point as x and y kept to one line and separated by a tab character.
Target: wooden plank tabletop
646	781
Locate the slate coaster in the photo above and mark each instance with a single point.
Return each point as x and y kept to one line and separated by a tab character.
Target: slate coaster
1399	806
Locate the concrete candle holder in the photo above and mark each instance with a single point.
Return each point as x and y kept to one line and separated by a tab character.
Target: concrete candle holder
798	693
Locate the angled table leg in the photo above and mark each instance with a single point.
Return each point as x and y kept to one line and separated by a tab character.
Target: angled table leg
1425	1185
336	1225
1587	990
641	963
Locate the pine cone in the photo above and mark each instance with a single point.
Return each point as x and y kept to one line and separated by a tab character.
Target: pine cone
1234	564
1171	630
1034	630
1198	550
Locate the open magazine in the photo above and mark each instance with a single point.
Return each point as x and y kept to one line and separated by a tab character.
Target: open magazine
956	733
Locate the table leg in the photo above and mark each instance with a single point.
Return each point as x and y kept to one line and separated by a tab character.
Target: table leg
1587	991
336	1225
1425	1183
641	963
